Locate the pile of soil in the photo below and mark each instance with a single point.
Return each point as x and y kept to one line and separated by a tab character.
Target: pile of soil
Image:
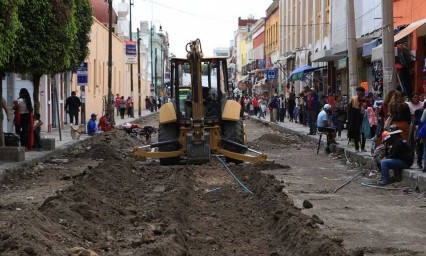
104	201
278	140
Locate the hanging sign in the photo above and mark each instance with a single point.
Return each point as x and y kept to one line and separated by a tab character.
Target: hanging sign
387	74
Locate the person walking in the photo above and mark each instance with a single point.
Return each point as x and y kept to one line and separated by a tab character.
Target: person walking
291	105
273	106
312	107
255	103
72	107
129	107
26	125
123	107
117	103
355	116
147	103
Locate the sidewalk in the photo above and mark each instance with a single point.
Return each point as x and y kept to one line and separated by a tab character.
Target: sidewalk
417	179
61	144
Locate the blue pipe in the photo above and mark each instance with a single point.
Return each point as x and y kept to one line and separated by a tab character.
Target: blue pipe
235	178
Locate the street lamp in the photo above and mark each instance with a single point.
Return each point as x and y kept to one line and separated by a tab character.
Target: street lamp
131	65
110	108
139	73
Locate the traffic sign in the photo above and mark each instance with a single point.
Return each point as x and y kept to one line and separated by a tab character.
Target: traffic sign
82	79
271	74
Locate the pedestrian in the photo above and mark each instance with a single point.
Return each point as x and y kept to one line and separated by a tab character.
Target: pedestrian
37	129
383	112
273	107
129	107
72	107
324	124
255	103
92	127
312	107
16	116
263	108
339	115
117	104
159	102
147	103
399	156
372	119
291	105
423	137
6	109
281	109
365	125
123	107
26	125
400	114
355	116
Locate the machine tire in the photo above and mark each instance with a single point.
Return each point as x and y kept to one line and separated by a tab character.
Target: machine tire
168	132
233	131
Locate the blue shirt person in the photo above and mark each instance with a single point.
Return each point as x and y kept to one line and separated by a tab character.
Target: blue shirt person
92	127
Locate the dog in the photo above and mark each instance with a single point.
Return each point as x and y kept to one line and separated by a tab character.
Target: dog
146	132
76	131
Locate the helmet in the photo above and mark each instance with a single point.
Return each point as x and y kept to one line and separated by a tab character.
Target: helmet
327	107
384	134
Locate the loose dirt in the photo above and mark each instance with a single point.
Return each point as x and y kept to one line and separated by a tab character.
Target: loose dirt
98	199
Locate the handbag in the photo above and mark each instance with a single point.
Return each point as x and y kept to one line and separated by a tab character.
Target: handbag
388	122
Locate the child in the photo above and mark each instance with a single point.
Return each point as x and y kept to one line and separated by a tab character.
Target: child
37	127
16	116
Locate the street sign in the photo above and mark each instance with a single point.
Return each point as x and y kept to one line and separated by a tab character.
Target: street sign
131	52
82	79
271	74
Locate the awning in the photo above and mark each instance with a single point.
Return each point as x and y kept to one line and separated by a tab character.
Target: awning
377	53
409	29
325	56
367	48
299	74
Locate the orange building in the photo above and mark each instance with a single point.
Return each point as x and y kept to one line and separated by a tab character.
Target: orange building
412	39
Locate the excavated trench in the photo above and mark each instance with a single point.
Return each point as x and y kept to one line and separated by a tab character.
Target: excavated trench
101	200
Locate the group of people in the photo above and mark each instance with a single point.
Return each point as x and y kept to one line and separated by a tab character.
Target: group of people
391	124
123	106
27	124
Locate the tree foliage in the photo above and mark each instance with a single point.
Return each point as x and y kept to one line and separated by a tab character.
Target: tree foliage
9	25
84	21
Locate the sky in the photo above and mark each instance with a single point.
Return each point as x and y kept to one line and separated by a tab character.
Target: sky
213	22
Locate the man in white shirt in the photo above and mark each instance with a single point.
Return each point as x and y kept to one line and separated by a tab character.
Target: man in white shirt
324	124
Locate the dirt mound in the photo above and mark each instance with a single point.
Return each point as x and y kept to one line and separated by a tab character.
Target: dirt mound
107	203
278	141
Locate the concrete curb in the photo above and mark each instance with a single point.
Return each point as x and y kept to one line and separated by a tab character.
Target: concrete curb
416	179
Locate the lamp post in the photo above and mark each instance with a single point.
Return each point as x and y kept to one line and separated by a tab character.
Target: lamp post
131	65
139	73
110	109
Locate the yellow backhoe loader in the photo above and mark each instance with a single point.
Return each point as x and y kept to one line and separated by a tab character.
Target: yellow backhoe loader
200	120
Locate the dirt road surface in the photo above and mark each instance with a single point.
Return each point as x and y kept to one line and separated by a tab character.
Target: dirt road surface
98	199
